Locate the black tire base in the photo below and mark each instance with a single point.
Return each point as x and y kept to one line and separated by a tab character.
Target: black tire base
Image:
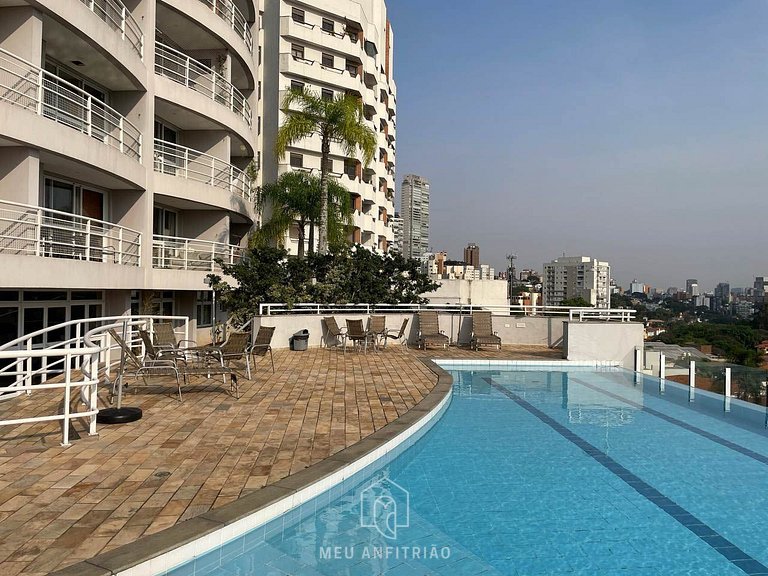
118	416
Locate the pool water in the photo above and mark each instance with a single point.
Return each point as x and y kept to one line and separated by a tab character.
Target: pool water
540	472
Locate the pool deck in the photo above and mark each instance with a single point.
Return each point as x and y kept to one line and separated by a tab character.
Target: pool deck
59	506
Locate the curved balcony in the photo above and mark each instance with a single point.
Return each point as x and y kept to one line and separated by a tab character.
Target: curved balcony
34	231
191	164
119	18
180	68
29	87
174	253
227	11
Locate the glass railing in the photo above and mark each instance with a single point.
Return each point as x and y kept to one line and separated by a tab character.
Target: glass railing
27	86
185	70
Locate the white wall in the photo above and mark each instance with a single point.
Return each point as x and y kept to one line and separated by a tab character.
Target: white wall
602	341
475	292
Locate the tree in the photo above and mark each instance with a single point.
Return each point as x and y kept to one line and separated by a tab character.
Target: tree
576	303
339	120
295	197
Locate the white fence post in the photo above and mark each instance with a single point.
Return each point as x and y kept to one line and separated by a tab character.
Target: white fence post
727	389
67	397
662	371
691	381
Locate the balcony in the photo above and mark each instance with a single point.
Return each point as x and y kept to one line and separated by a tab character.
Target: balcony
191	164
119	18
180	68
227	11
29	87
35	231
174	253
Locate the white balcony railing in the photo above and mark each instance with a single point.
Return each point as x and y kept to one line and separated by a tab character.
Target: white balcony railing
188	254
185	70
227	11
27	86
119	18
35	231
194	165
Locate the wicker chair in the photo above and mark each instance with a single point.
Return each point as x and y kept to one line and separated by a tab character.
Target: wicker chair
357	335
482	331
429	330
397	335
165	337
377	328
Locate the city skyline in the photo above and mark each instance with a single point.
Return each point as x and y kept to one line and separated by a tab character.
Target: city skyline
630	131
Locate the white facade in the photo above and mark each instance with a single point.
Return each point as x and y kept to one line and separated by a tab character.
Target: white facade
414	209
397	233
334	47
577	276
125	134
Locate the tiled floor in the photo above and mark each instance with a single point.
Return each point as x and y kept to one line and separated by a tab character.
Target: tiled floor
62	505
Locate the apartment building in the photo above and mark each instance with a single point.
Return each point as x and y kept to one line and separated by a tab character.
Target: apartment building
126	133
577	276
396	223
414	208
334	47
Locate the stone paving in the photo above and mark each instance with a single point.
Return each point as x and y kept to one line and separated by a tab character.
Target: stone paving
59	506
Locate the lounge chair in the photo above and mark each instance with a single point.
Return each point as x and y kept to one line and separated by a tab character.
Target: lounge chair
165	337
333	332
377	328
357	335
170	367
482	331
429	330
398	335
263	343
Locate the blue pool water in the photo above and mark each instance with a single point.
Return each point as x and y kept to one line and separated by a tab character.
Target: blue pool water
540	472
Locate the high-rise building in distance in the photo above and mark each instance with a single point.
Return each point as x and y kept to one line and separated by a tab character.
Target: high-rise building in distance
414	208
692	287
577	276
472	255
396	223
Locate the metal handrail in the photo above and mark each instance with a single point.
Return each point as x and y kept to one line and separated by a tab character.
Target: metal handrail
621	315
30	87
175	253
36	231
119	18
194	165
179	67
230	13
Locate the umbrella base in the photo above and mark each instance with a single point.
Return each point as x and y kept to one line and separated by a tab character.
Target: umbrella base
119	415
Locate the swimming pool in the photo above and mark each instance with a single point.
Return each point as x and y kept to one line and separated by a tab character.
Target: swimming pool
534	471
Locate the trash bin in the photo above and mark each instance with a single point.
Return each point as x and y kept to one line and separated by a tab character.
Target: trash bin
299	340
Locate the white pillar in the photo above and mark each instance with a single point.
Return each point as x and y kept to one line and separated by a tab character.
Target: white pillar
691	381
727	389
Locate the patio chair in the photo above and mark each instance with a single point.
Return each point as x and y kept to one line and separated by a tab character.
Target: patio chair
357	335
377	328
154	353
144	366
165	337
429	330
482	331
332	331
263	344
237	347
398	335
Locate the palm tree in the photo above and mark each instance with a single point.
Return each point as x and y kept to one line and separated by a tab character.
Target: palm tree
295	198
340	120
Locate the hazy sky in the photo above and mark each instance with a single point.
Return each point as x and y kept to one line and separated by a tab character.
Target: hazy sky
631	131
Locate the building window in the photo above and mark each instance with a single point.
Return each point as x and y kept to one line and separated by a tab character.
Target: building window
296	85
328	25
327	94
352	68
328	60
297	160
297	51
259	55
258	91
204	307
258	125
298	15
